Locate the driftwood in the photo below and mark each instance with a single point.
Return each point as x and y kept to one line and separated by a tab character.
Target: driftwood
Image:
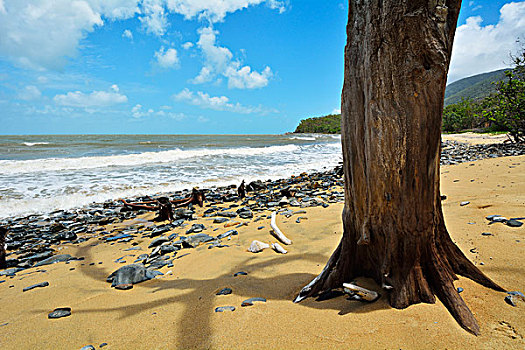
3	234
165	210
197	197
362	293
241	190
277	233
165	207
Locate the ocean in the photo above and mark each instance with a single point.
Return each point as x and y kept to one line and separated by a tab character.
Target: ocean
43	173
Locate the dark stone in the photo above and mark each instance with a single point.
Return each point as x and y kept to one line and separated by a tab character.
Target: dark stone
227	233
158	241
88	347
224	291
240	273
246	214
117	237
249	302
126	276
220	220
460	289
514	223
195	240
331	294
228	214
486	234
38	285
60	312
66	236
195	228
55	259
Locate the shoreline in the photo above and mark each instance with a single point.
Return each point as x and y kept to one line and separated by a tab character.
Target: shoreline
454	151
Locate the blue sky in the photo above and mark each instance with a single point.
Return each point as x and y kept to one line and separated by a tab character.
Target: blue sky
197	66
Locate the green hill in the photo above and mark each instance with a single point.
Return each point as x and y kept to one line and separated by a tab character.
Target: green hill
474	87
329	124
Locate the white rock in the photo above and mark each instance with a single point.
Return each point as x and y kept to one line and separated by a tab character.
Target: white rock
258	246
278	248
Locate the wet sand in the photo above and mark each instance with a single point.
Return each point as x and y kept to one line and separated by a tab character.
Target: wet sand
177	310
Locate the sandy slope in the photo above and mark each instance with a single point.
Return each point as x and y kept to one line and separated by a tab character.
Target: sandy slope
475	138
177	310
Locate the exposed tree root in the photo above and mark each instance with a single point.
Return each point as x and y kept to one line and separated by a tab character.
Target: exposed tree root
432	275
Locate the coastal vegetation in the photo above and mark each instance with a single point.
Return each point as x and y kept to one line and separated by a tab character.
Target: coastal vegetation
489	102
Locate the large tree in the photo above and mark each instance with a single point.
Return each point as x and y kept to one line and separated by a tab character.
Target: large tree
396	62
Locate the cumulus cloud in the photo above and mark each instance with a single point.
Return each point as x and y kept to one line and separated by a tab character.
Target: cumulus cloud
42	34
138	112
167	58
93	99
478	48
216	10
219	61
187	45
30	92
217	103
127	34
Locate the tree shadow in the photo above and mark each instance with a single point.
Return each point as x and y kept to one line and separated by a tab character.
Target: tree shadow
199	296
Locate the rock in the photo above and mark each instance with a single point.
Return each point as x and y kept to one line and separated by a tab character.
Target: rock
168	248
66	236
54	259
195	240
246	214
498	219
10	272
486	234
514	297
88	347
278	248
158	241
117	237
224	291
127	276
301	218
224	308
258	246
60	312
220	220
514	223
227	214
240	273
196	228
464	203
38	285
227	234
459	289
249	302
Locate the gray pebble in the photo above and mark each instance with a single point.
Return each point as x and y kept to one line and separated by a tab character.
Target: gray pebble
224	308
60	312
43	284
249	302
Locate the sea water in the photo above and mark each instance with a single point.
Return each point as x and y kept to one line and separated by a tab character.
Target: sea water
40	174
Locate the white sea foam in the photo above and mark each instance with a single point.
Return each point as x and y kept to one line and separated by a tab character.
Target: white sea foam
31	144
10	167
305	138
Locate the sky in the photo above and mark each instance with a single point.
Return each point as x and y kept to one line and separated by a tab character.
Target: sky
198	66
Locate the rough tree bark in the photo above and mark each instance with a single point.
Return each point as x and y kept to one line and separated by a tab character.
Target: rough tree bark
396	62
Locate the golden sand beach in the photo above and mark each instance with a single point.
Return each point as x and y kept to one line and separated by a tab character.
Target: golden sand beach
176	310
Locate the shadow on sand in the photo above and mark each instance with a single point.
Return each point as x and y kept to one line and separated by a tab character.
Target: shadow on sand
198	299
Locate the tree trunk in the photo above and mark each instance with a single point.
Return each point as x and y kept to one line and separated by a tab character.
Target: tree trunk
396	62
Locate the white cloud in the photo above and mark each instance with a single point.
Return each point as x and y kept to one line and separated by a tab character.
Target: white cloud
154	18
245	78
187	45
30	92
217	103
137	112
216	10
94	99
127	34
219	61
167	58
42	34
336	111
479	48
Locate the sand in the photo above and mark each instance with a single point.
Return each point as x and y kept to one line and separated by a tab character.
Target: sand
177	310
475	138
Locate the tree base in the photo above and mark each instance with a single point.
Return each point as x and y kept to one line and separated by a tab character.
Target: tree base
431	275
